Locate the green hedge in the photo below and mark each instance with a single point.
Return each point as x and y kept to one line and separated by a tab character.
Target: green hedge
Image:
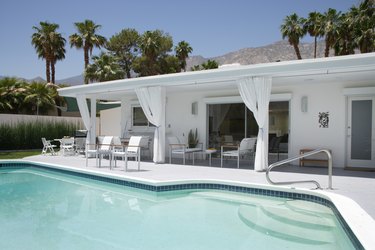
27	135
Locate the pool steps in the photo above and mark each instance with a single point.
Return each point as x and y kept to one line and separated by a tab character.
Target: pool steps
259	220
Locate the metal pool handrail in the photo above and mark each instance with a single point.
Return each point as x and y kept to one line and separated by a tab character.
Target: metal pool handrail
329	155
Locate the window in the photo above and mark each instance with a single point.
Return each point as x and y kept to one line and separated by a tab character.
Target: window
139	118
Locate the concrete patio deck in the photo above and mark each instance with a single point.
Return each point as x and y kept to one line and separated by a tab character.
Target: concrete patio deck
357	185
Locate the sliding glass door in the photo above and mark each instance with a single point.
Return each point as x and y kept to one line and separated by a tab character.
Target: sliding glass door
230	123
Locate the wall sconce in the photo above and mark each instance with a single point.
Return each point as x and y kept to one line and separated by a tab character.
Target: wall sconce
304	104
194	108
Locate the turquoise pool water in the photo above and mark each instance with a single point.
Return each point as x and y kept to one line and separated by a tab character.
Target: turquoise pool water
41	209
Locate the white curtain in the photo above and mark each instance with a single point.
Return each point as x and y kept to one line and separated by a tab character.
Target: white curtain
85	114
152	101
256	93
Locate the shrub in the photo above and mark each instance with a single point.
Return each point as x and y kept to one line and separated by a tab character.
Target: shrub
27	135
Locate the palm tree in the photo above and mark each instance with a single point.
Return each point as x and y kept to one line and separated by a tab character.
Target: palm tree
183	50
344	43
104	68
49	45
313	26
294	30
39	96
11	95
87	39
331	28
363	21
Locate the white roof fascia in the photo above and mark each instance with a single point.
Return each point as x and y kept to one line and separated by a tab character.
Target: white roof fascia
306	67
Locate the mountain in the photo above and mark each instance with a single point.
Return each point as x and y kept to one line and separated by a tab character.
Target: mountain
279	51
72	81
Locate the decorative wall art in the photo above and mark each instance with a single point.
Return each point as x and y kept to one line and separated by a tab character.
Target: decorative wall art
323	119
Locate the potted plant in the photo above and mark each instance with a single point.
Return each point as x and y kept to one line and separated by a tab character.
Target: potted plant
193	138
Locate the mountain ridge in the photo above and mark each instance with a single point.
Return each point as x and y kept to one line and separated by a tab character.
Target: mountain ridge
277	51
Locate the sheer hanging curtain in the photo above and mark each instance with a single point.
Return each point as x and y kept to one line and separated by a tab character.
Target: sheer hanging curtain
256	93
85	114
152	101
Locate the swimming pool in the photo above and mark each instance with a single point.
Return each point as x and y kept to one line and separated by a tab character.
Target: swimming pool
49	209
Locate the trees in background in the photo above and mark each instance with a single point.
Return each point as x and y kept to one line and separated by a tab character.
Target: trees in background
313	25
104	67
124	46
183	49
86	39
19	97
342	32
210	64
49	45
155	58
293	29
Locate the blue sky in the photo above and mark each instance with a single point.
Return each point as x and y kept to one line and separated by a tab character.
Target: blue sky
212	28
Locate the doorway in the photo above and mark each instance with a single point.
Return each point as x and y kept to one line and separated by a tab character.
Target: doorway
361	132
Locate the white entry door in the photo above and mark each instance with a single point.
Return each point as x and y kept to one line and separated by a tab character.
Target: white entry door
361	132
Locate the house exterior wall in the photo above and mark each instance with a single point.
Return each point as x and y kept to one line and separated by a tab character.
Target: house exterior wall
304	126
110	122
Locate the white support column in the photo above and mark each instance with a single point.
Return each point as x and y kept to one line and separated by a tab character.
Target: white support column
93	121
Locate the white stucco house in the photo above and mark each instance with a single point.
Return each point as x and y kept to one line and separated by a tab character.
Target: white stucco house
313	103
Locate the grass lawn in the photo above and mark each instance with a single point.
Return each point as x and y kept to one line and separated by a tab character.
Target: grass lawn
18	154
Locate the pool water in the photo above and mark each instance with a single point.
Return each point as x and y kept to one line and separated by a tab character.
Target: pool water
41	209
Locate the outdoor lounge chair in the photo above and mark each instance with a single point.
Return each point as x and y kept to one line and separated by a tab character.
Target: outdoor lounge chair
102	148
47	146
175	147
247	146
132	150
67	146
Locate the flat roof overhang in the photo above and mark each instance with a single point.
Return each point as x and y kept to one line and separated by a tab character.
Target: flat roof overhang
352	68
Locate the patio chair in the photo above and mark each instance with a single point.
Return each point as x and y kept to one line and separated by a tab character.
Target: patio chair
247	146
132	150
104	147
47	146
67	146
176	147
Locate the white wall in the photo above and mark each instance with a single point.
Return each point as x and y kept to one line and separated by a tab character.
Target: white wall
110	122
304	127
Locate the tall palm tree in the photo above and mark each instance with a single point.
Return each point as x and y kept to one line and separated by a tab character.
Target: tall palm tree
314	26
183	50
293	28
104	68
49	45
363	21
344	42
331	28
39	96
87	39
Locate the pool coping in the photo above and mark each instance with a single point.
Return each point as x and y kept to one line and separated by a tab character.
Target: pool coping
358	221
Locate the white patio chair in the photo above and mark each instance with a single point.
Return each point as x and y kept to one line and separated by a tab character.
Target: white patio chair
247	146
47	146
175	147
67	146
133	150
104	147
